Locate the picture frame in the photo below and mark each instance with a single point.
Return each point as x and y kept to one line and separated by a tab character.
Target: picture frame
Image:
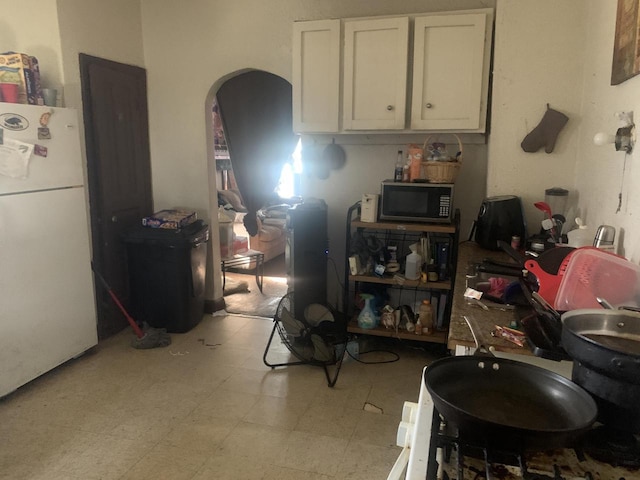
626	47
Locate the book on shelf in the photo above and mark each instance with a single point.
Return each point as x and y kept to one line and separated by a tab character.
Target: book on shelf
442	304
435	299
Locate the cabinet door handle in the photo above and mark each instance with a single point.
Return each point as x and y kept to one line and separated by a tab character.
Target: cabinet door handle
389	107
429	105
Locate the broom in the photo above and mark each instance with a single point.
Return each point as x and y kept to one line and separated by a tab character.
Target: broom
150	337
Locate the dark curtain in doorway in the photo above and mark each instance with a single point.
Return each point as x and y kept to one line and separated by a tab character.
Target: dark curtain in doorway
256	113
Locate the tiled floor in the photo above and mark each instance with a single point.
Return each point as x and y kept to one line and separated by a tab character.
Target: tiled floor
206	408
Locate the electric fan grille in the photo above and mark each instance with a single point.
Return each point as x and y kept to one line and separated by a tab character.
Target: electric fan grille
303	337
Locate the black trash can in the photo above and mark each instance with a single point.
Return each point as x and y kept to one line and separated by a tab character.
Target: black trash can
167	274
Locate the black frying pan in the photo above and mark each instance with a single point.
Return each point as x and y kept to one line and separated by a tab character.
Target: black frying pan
504	402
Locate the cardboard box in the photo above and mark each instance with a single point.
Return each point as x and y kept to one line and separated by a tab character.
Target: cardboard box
226	239
240	245
22	69
172	219
35	68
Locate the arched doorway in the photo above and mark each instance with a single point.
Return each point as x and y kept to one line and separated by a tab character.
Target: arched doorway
255	108
256	115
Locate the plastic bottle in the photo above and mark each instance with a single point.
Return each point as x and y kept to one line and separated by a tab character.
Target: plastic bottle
415	162
581	236
367	317
405	173
418	328
412	267
426	316
397	174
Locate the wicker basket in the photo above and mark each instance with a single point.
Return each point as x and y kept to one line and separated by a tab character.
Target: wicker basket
442	171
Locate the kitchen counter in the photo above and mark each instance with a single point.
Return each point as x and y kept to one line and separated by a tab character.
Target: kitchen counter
484	320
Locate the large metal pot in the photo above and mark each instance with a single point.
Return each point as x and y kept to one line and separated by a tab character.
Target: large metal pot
605	347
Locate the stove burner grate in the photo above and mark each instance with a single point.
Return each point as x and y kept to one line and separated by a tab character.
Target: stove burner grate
454	456
469	459
613	447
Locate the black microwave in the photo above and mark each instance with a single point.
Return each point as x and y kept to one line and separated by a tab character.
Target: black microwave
416	201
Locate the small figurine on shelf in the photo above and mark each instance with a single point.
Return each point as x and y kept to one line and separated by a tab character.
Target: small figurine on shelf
388	319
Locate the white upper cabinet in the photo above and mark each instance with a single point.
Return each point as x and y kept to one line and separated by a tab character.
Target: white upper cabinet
316	76
375	73
449	86
413	73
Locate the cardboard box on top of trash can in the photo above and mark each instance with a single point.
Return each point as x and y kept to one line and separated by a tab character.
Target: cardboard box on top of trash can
22	69
173	219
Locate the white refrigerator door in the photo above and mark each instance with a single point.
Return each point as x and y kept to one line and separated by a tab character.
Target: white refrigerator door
47	311
62	167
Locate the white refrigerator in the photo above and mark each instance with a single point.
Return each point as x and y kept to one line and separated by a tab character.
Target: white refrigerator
47	305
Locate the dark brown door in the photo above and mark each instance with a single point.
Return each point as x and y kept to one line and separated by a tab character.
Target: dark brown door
114	97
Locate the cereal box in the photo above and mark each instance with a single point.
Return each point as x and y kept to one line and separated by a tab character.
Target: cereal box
22	69
171	219
35	68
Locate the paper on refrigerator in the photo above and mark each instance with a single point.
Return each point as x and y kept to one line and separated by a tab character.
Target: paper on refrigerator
14	158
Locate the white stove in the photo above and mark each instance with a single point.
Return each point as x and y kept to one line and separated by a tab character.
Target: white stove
414	436
420	427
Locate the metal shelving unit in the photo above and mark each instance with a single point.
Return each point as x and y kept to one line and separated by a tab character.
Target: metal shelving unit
400	234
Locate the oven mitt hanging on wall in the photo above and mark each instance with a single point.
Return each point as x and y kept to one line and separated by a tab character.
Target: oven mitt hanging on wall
546	133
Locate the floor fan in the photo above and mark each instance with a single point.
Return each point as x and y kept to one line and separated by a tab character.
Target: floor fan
318	338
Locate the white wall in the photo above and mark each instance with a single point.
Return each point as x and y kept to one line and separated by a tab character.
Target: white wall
111	30
188	51
55	31
601	173
561	53
538	59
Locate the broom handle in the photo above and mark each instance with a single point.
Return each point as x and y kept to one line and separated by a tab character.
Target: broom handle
139	333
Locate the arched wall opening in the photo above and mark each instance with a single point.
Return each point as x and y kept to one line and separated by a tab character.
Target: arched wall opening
257	106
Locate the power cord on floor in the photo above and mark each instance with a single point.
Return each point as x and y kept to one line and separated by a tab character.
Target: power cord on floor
395	359
395	356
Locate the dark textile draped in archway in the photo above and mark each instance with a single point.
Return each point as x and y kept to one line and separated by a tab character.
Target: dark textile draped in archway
256	113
